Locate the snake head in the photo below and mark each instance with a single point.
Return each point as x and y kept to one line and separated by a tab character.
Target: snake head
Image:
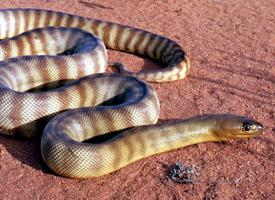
233	127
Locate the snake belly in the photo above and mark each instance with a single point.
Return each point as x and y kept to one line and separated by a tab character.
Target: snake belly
71	47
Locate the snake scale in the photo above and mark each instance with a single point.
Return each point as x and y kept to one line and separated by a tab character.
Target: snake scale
42	46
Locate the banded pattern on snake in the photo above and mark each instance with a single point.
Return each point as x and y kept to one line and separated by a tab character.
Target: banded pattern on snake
71	53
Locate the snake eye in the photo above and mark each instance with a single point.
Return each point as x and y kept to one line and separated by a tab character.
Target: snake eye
247	127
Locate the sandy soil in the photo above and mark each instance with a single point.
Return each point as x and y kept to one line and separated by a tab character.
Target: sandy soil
231	46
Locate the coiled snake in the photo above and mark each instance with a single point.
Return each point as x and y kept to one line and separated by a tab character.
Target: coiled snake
72	52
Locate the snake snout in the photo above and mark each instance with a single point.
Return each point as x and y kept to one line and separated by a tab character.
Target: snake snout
259	127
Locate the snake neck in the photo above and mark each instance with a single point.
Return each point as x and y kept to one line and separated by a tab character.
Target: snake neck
145	141
184	133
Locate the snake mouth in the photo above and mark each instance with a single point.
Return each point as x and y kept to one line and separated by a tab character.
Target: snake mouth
247	135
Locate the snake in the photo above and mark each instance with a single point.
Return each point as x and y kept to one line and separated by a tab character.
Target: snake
96	122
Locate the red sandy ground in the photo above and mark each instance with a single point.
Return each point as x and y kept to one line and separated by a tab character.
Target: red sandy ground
231	46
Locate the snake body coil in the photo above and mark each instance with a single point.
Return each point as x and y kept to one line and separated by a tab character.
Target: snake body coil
71	53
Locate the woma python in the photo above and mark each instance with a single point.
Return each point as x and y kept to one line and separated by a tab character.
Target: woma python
76	52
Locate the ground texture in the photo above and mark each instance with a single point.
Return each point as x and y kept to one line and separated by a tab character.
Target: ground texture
231	45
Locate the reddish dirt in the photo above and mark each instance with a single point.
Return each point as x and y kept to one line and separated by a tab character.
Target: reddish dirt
231	46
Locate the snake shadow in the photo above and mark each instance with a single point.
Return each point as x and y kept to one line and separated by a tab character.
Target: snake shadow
25	149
